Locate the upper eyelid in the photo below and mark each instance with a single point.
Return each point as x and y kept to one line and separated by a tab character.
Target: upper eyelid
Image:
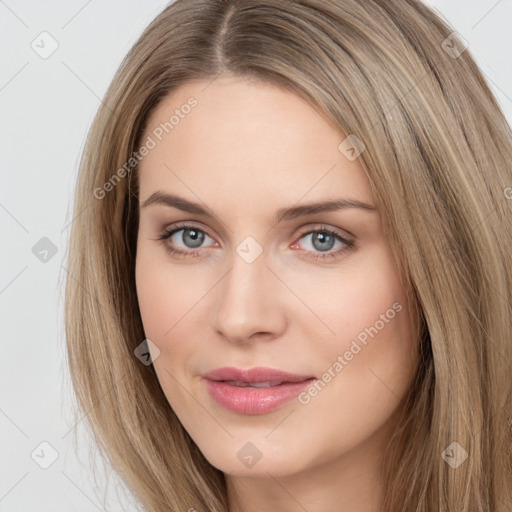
303	231
186	225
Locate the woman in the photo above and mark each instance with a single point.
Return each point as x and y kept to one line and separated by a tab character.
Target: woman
292	278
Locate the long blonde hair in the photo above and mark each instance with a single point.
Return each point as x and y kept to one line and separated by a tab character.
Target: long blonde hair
438	154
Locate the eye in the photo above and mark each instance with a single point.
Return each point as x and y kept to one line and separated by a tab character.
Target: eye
321	241
191	237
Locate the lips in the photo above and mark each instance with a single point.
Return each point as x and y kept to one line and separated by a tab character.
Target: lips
241	384
255	391
254	375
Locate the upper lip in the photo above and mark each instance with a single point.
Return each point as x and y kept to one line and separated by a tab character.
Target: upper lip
258	374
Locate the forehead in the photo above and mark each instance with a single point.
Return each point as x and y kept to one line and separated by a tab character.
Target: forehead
239	138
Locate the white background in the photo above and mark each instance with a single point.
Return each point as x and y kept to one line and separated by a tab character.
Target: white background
47	106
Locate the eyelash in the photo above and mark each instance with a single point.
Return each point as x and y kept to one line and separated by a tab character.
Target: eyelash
348	244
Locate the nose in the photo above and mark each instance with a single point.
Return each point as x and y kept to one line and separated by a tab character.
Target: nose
249	302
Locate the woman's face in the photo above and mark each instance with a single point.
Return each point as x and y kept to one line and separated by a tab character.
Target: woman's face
264	278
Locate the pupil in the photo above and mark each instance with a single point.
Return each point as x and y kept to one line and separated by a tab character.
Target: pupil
322	238
195	235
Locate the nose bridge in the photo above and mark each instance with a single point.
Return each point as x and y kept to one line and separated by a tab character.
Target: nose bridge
249	270
247	301
246	281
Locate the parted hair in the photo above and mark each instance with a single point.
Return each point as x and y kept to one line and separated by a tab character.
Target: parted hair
394	75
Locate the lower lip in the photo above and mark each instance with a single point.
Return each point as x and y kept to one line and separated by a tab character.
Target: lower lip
251	400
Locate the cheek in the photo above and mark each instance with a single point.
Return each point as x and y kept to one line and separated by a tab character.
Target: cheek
164	296
153	295
170	299
367	310
354	299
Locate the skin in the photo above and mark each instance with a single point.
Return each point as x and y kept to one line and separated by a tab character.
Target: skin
246	150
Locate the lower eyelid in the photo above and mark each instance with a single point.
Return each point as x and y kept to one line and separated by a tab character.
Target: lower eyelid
167	234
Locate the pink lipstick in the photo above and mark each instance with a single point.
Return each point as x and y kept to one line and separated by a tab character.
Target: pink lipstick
256	390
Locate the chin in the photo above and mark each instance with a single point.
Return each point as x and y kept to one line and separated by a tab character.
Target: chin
246	459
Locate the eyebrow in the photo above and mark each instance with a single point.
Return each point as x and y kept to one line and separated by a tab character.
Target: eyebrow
290	213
